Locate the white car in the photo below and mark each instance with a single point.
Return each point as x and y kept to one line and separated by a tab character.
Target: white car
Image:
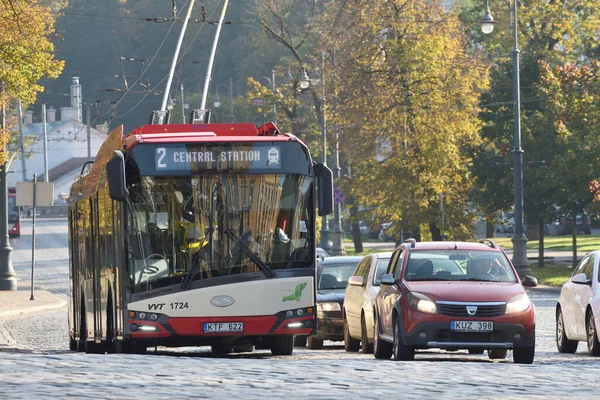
578	308
359	299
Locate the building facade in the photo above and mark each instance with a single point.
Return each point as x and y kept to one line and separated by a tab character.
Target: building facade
67	149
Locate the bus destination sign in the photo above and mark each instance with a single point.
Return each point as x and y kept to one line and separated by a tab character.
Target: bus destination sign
200	158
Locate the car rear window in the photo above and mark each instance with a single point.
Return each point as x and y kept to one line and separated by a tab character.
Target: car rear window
458	265
335	276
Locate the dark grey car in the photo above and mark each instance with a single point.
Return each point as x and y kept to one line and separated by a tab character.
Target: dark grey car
332	279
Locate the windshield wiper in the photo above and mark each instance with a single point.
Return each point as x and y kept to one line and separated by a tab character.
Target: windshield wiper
251	255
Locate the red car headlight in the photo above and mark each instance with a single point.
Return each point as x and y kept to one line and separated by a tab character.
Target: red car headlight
421	302
518	304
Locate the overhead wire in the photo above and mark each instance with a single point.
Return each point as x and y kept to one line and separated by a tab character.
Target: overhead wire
184	52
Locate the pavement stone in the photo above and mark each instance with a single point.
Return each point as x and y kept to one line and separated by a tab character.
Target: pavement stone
15	303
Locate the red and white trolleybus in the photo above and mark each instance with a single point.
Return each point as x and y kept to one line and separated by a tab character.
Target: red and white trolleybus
190	235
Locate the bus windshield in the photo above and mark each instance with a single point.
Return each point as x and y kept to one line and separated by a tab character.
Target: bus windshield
186	228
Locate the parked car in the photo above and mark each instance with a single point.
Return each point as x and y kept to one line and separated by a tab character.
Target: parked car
359	299
565	226
578	308
321	253
453	296
387	233
507	226
332	279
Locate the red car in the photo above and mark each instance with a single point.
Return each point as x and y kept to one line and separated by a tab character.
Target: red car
453	296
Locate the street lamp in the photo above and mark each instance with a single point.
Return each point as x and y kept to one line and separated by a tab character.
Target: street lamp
305	82
519	239
8	278
272	83
217	99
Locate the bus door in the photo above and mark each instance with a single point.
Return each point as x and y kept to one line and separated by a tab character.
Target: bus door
96	273
118	263
74	270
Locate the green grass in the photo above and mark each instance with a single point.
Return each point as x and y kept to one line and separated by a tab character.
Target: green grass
552	275
366	250
557	243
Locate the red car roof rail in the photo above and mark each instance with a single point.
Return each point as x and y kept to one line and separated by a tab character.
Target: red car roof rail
411	241
489	243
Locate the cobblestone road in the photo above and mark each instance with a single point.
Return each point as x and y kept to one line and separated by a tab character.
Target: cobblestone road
46	369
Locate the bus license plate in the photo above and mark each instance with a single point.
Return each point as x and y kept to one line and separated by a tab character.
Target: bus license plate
471	326
218	327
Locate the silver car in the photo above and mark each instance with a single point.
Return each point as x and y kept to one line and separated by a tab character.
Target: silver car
578	307
359	299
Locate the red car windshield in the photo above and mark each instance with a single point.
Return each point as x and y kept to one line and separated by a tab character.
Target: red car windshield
458	265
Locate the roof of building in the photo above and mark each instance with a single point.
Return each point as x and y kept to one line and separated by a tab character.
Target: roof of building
37	128
66	167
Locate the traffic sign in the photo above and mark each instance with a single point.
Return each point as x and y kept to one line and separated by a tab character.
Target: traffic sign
258	102
338	196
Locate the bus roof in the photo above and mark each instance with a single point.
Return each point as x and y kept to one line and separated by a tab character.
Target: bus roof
190	133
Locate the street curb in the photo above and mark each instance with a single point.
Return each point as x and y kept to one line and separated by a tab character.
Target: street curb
546	288
23	310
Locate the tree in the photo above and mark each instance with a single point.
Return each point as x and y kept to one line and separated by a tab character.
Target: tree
26	51
557	33
408	105
571	96
290	31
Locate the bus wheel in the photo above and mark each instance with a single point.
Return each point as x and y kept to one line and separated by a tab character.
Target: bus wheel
283	345
111	344
81	345
73	345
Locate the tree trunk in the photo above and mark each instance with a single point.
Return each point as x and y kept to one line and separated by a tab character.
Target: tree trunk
436	234
541	233
357	238
356	235
490	229
574	226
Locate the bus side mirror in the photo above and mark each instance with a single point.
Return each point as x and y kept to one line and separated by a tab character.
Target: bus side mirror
324	189
115	175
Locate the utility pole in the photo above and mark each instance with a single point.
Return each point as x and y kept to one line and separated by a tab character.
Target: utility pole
44	127
20	116
324	222
8	280
337	248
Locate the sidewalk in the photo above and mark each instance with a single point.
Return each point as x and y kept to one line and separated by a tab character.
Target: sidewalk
17	302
